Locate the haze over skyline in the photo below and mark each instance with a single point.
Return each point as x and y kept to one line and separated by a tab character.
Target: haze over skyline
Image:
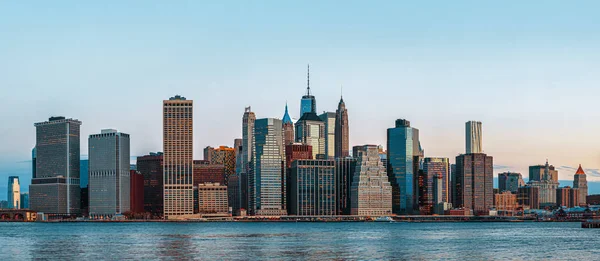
527	71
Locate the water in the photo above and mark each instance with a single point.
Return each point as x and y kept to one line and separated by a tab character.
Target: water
298	241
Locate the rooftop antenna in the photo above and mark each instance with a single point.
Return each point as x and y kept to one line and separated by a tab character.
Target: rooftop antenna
308	80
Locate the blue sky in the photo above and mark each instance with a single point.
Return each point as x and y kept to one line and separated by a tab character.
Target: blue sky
527	70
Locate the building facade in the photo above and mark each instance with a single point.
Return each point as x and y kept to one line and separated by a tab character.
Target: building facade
224	156
435	170
206	172
248	122
14	193
510	181
151	168
580	183
546	182
328	119
233	185
136	191
506	202
344	173
109	176
528	197
313	188
342	131
473	137
371	192
567	197
267	182
310	130
212	199
178	147
474	183
55	190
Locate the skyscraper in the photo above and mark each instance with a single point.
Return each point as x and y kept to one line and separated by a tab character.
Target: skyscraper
178	145
344	173
580	183
248	121
474	182
288	128
55	190
435	170
151	167
473	137
308	102
136	191
342	133
403	146
14	192
510	181
546	182
313	188
371	193
310	130
25	200
109	175
293	151
233	184
328	119
265	180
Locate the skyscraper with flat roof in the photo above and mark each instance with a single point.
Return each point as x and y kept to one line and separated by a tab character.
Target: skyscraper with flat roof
151	168
14	192
109	174
473	137
55	190
474	182
178	145
313	188
328	119
403	148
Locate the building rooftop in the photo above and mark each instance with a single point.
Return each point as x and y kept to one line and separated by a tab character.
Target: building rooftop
310	116
580	171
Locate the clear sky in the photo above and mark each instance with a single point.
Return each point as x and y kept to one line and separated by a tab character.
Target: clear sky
529	70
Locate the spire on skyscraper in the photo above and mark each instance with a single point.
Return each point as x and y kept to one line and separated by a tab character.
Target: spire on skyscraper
308	80
580	171
286	115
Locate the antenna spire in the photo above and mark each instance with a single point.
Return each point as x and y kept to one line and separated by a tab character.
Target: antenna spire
308	80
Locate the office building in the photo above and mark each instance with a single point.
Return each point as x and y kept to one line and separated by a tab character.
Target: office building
510	181
474	183
266	179
580	183
288	128
136	191
25	200
371	193
342	131
506	202
224	156
435	170
55	190
308	102
567	197
546	182
293	151
212	199
528	197
233	184
178	145
541	172
310	130
328	119
344	174
206	172
248	122
151	168
313	188
14	192
403	156
473	137
109	177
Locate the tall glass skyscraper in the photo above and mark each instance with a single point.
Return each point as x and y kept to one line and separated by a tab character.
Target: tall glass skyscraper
473	137
403	145
266	181
308	102
14	192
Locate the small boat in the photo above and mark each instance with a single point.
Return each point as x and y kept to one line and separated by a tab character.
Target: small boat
384	219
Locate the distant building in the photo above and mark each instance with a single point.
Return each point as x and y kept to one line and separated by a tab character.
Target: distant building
543	172
510	181
310	130
151	168
403	148
308	102
567	197
136	192
435	170
342	131
474	183
313	188
233	184
266	181
593	199
224	156
25	200
328	119
344	173
14	192
248	122
293	151
288	128
109	175
212	199
528	197
55	190
580	183
371	192
3	204
506	201
205	172
547	182
473	137
178	145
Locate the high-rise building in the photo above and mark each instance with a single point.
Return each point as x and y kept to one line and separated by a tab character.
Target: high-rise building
308	102
403	148
224	156
344	173
233	185
178	145
14	192
136	191
546	182
473	137
33	159
567	197
371	193
434	170
248	122
109	177
288	128
342	131
212	199
328	119
580	183
151	168
206	172
25	200
510	181
474	182
313	188
293	151
310	130
55	190
266	178
528	197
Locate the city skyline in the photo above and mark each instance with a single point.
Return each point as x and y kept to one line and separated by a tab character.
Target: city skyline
518	81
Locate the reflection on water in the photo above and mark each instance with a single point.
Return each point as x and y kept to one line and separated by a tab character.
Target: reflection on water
312	241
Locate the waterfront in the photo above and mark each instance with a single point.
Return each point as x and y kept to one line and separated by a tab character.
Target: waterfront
313	241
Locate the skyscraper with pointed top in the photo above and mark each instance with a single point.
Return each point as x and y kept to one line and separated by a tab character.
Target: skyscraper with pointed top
288	128
342	144
580	182
308	102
